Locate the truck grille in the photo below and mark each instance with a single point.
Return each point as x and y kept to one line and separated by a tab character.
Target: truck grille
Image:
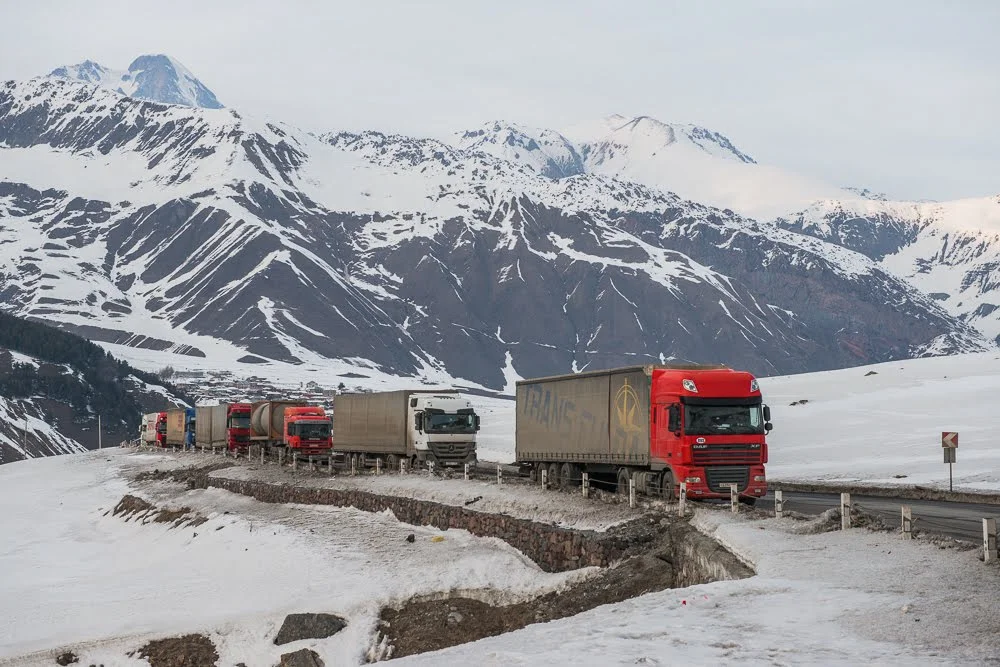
716	476
451	452
725	454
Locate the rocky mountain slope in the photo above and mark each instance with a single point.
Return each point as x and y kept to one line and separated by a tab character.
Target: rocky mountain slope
53	386
156	78
512	252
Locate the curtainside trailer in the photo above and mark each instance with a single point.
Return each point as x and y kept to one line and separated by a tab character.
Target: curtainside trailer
415	426
224	425
655	426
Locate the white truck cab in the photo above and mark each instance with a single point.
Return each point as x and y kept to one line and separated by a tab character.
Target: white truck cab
442	428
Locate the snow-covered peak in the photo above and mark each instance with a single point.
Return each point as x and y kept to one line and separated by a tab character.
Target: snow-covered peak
652	135
156	78
545	151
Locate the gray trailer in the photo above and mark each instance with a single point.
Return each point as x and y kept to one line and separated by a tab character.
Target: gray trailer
210	425
417	425
577	418
203	425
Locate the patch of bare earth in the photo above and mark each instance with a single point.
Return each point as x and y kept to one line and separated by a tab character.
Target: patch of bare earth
132	507
186	651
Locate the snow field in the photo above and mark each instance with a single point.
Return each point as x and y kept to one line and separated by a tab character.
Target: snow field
73	575
851	597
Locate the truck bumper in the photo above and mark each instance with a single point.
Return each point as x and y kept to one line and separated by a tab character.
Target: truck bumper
449	454
711	481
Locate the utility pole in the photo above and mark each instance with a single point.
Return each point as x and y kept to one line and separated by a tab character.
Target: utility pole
24	436
99	432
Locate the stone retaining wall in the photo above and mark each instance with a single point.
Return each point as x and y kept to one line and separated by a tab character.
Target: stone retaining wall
695	557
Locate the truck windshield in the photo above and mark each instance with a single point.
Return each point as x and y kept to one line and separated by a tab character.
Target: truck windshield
450	423
239	421
723	419
307	431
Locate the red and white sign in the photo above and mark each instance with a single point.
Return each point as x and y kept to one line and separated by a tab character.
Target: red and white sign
949	440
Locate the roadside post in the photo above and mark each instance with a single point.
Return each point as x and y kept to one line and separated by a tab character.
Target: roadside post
466	472
545	478
779	504
631	492
378	466
499	475
682	499
845	511
734	499
586	485
906	522
989	540
949	443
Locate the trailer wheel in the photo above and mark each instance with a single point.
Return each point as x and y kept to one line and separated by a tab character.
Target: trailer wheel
667	486
392	463
570	476
624	475
534	473
555	476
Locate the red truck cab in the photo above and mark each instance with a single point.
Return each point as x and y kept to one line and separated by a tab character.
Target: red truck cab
161	429
308	430
238	426
709	428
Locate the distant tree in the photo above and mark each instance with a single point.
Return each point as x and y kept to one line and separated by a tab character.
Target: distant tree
167	372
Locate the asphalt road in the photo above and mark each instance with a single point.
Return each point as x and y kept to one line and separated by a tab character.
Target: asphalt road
961	521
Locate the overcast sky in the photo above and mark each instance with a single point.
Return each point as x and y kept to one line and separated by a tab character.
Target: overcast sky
898	96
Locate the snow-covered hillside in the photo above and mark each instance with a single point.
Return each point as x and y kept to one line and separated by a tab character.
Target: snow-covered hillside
948	250
157	78
210	235
878	424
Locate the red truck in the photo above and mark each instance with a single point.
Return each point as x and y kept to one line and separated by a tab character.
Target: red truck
304	429
657	425
153	430
224	425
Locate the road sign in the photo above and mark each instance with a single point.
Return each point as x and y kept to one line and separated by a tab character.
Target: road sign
949	455
949	439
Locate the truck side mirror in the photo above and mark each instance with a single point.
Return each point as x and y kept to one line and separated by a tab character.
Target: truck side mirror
674	419
767	413
768	426
477	422
418	421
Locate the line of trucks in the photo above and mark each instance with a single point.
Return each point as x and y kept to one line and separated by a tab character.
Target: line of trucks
654	425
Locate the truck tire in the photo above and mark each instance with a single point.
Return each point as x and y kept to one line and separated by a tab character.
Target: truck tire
569	476
534	473
555	476
392	463
624	475
667	486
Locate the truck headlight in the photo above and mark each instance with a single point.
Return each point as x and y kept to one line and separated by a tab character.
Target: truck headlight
759	478
692	480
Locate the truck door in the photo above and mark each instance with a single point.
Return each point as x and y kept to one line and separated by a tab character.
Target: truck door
664	427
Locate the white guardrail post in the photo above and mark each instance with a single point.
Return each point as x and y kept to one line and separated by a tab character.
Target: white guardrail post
586	485
906	522
466	474
734	499
989	540
682	497
845	511
545	478
631	492
779	504
499	475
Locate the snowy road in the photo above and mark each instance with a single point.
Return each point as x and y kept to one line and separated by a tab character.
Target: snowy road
961	521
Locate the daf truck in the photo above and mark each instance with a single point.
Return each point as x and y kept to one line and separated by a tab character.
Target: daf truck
655	425
418	426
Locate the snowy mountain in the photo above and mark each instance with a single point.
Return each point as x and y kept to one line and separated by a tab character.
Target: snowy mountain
950	250
157	78
205	233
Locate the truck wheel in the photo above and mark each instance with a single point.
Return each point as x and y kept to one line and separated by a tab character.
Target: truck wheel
534	474
570	476
392	463
624	475
667	486
555	476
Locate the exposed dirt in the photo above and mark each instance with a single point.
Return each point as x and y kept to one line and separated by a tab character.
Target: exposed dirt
429	625
308	626
132	507
186	651
67	658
